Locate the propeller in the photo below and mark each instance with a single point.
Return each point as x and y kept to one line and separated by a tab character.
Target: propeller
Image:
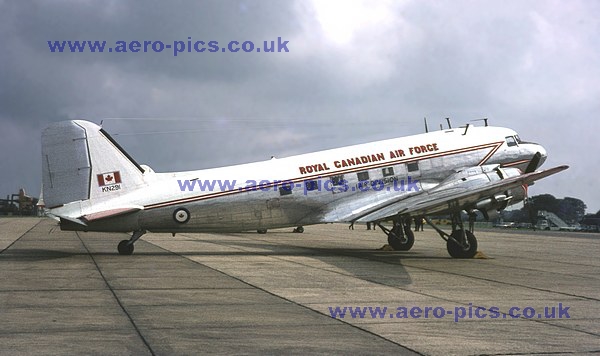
535	162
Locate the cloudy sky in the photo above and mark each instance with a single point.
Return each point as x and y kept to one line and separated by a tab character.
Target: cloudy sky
356	71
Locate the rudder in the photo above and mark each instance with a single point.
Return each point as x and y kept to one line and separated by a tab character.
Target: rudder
80	161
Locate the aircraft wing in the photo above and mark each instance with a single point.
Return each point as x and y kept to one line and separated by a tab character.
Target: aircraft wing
438	201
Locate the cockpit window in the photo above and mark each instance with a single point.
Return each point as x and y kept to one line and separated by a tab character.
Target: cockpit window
510	141
518	139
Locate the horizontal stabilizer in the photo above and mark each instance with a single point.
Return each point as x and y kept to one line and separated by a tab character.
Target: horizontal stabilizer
110	213
98	215
67	218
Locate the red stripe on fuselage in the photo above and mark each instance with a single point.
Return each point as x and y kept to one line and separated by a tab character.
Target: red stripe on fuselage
494	146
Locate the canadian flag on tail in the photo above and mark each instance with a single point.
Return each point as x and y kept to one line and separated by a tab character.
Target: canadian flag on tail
109	178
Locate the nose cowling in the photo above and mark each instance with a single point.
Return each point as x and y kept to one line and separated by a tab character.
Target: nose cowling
539	157
543	153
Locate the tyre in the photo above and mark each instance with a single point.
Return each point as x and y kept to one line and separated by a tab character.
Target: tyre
125	248
457	251
398	244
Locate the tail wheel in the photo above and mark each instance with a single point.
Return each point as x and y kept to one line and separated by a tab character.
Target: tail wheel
458	251
397	243
125	248
262	231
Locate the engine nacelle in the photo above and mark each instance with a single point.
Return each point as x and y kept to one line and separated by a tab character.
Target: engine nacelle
475	177
471	177
490	207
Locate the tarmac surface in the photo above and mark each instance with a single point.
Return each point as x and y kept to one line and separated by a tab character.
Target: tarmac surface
247	293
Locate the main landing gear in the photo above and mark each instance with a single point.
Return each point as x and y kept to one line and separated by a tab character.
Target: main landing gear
400	237
126	246
460	243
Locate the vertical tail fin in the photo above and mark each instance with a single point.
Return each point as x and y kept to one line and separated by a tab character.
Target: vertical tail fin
80	161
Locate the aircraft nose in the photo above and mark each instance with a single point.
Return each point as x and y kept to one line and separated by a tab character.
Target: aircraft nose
538	158
543	154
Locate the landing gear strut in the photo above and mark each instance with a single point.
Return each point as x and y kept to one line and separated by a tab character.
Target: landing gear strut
460	243
400	237
125	247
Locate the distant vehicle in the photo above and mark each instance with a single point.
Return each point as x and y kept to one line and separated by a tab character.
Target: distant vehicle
570	228
591	228
506	225
18	204
543	224
550	221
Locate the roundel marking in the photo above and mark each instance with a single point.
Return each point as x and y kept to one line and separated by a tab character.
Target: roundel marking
181	215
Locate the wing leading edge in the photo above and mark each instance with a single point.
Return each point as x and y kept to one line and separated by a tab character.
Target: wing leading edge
438	201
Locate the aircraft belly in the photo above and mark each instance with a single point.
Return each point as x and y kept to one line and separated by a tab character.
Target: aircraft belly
226	215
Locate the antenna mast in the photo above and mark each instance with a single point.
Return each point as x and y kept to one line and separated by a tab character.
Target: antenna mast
448	120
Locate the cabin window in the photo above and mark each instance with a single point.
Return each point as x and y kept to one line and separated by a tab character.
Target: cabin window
388	171
362	176
286	189
337	180
311	185
413	167
510	141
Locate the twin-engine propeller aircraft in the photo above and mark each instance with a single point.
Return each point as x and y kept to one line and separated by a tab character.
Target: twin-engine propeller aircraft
91	184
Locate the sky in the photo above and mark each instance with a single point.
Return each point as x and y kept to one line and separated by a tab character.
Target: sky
356	71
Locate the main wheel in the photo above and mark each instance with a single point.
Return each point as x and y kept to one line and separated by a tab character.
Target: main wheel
399	245
262	231
125	248
457	251
299	229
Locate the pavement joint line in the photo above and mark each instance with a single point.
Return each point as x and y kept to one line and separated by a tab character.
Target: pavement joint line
544	353
544	234
545	322
50	290
60	331
507	283
197	288
137	330
325	275
534	270
25	233
142	305
354	326
355	255
496	261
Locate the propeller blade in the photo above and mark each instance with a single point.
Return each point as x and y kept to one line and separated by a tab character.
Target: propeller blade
535	162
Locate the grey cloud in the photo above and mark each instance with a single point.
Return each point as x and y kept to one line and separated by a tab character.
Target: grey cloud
529	65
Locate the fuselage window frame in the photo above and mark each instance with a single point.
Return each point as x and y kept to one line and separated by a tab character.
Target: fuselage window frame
510	141
412	166
311	185
363	176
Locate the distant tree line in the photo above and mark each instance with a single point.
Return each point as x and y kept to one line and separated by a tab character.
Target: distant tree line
591	220
571	210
